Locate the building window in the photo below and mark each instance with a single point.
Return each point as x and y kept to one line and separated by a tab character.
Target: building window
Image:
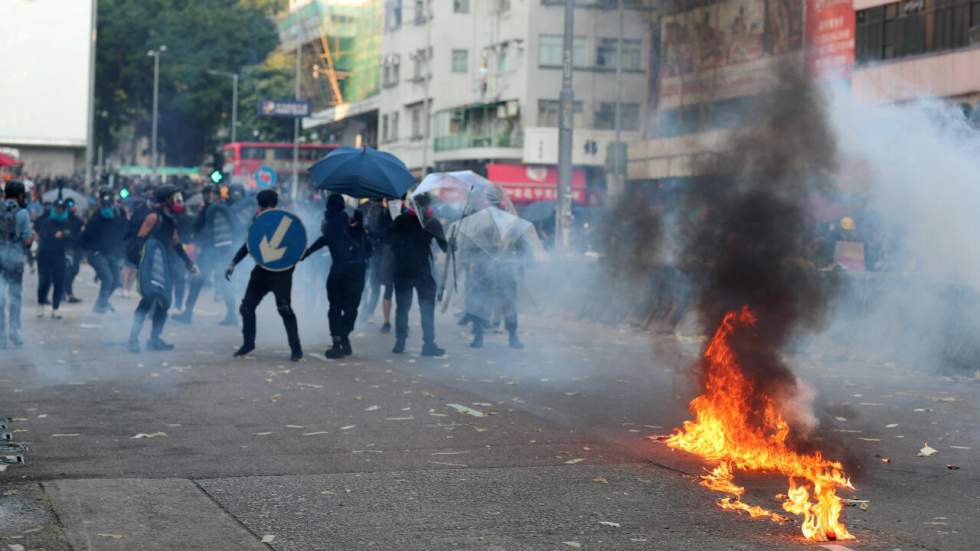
461	60
503	58
421	69
915	27
384	128
393	14
393	136
605	55
461	6
417	112
421	11
390	70
549	109
605	116
550	48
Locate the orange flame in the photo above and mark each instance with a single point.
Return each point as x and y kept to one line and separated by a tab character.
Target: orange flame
723	432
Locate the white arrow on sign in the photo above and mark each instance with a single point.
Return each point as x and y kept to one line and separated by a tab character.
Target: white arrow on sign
270	249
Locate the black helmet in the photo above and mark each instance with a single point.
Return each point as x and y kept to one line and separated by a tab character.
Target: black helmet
106	195
210	188
14	188
164	192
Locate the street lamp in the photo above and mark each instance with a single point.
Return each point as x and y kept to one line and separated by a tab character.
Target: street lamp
234	99
155	54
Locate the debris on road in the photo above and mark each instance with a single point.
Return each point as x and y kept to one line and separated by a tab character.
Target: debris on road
600	480
372	408
574	461
609	523
111	536
952	467
347	427
466	410
862	504
65	435
268	538
927	451
574	544
319	432
149	435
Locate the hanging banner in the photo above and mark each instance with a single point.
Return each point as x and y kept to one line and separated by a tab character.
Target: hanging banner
830	38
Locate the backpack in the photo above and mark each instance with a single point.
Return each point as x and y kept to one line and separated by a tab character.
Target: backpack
8	223
134	245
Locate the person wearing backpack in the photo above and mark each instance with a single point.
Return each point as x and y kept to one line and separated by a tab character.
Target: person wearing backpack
15	240
102	239
73	251
160	243
215	230
349	252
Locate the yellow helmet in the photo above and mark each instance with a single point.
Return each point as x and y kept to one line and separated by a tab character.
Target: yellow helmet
847	223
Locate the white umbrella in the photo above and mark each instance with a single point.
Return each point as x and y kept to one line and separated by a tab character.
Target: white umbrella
51	196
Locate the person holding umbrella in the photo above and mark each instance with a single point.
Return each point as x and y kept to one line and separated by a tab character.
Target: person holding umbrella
349	252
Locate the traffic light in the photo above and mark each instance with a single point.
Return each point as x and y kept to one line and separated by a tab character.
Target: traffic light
124	193
217	168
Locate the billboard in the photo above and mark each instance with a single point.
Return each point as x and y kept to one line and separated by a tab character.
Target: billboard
726	49
285	107
45	48
830	26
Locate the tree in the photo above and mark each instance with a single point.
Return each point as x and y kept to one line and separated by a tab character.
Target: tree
272	79
199	35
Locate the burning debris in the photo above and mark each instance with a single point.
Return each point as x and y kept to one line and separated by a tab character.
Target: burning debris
754	292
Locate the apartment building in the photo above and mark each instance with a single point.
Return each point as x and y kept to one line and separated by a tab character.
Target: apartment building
474	84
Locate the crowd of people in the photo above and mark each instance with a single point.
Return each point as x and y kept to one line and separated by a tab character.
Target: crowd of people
136	234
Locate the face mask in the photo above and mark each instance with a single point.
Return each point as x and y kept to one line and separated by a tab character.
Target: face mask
176	203
107	212
59	216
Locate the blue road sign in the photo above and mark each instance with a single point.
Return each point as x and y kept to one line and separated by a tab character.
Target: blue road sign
276	240
265	177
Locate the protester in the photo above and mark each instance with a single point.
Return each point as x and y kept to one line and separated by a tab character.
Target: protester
54	235
73	252
157	242
262	282
377	223
102	239
349	250
15	241
215	229
411	247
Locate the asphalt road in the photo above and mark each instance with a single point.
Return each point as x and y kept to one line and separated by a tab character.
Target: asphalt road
494	449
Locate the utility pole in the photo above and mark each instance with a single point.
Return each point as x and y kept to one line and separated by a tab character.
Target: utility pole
234	100
299	59
619	177
563	207
90	127
156	101
428	82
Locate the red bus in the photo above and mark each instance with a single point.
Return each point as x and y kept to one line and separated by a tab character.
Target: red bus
243	159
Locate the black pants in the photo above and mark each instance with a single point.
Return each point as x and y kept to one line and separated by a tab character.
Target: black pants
280	284
72	260
180	282
11	285
159	306
107	269
51	274
211	264
426	288
344	288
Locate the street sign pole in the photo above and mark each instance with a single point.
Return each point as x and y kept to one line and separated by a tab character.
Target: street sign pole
90	126
295	190
563	214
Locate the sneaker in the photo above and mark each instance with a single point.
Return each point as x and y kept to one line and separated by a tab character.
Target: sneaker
386	328
296	356
55	315
399	346
335	352
477	341
15	339
159	344
133	346
243	351
229	321
72	299
515	342
432	350
42	310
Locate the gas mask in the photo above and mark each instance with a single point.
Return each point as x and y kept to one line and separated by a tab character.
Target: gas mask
59	215
175	203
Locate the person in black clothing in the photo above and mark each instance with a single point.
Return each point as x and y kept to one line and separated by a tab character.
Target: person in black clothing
349	252
377	222
411	247
184	223
102	238
73	253
214	230
262	282
160	243
53	234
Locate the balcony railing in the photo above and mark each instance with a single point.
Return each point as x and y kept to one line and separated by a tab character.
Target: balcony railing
468	140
